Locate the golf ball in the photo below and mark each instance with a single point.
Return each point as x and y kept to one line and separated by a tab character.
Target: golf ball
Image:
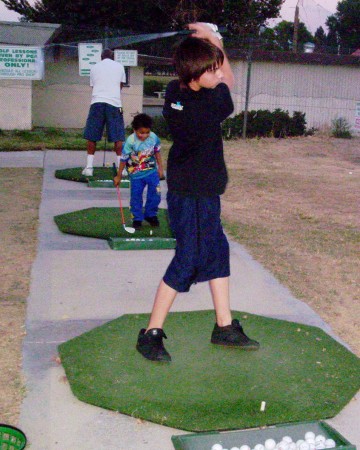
270	444
330	443
287	439
259	447
234	448
309	435
304	446
245	447
283	445
292	446
150	232
217	447
320	438
299	442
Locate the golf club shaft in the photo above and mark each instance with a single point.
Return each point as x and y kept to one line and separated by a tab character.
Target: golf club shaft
120	205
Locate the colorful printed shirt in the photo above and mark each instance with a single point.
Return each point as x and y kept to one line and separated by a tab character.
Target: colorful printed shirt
140	155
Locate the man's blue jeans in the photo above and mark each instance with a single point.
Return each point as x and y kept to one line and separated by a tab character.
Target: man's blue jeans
153	196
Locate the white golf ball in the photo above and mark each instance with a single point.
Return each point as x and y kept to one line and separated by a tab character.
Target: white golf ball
309	435
330	443
217	447
234	448
320	445
320	438
259	447
150	232
299	442
304	446
292	446
270	444
287	439
245	447
283	445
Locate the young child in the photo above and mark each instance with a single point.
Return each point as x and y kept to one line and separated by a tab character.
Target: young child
195	105
141	157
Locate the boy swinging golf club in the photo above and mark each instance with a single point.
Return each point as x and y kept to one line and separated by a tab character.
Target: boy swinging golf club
195	105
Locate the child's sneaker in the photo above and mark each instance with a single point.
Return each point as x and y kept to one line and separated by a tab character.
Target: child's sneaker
137	224
151	346
153	221
233	336
88	172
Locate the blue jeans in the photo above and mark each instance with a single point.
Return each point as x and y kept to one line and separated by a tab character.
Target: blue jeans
153	196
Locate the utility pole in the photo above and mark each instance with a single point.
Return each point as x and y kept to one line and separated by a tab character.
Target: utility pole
296	28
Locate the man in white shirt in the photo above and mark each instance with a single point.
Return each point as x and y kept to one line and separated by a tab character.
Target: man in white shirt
107	78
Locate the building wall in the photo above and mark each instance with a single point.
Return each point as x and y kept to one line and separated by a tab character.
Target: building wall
62	99
324	93
15	104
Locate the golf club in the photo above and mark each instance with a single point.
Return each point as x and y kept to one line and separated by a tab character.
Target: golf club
128	229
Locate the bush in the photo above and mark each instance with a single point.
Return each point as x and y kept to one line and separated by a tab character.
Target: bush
264	123
341	128
160	127
151	86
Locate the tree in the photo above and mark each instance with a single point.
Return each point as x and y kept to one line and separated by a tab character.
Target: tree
242	16
320	40
344	26
245	17
281	36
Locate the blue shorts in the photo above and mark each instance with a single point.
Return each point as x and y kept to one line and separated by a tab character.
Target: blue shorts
202	250
101	114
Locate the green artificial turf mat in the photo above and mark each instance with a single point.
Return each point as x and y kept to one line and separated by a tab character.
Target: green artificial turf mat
105	223
300	372
102	177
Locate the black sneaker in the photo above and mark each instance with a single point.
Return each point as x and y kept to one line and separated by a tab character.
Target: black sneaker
233	336
153	221
137	224
151	346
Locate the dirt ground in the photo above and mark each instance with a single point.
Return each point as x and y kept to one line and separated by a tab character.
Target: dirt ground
294	204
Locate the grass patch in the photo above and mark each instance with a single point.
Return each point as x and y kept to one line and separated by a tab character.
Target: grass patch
105	223
300	371
74	174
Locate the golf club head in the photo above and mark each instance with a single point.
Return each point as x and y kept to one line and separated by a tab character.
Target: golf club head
129	229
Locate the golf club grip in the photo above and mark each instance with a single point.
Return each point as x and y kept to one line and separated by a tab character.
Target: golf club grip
222	30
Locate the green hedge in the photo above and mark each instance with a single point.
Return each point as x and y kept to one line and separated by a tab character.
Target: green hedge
264	123
151	86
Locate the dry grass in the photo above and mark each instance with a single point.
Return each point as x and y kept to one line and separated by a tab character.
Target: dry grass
294	204
19	201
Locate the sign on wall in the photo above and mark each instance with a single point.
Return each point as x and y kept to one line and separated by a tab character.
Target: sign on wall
126	57
22	63
357	116
89	55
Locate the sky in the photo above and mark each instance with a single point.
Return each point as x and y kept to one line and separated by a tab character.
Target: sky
312	12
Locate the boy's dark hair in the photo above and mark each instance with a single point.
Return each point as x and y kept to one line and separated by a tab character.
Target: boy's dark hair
141	121
107	53
195	56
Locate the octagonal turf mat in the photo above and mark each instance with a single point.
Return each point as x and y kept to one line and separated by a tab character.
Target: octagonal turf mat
105	223
102	176
300	372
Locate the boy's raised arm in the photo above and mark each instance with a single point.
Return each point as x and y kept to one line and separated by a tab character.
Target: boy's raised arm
204	31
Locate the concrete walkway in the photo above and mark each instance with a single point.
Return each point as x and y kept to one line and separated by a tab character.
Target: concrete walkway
76	286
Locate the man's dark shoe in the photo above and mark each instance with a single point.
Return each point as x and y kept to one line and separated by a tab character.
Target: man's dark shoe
153	221
233	336
151	346
137	224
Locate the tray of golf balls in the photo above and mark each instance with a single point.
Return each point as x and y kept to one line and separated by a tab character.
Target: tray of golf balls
144	243
300	436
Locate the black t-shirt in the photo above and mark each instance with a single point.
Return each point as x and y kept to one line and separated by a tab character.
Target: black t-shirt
196	163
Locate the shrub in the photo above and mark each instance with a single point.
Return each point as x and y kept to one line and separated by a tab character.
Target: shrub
151	86
160	127
341	128
264	123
